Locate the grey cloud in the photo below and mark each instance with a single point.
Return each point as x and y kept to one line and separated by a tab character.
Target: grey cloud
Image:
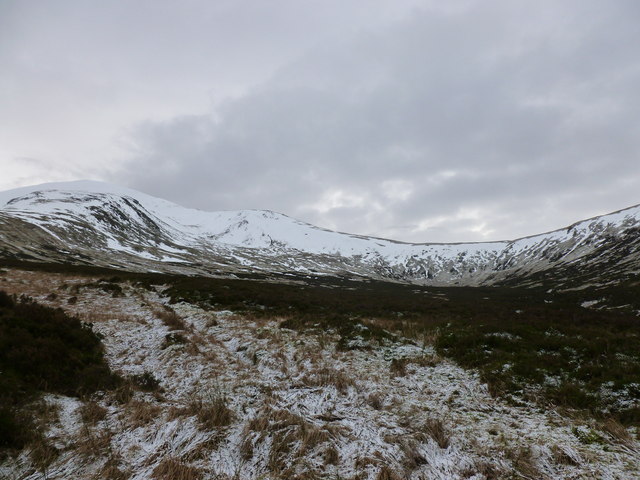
74	73
500	120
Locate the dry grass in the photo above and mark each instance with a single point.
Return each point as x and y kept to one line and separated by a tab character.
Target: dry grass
42	453
269	333
524	464
32	283
124	393
412	456
331	456
619	434
289	446
386	473
281	447
292	437
192	349
246	448
398	366
212	411
482	467
93	444
281	359
565	456
271	420
436	430
328	376
375	400
410	329
212	321
203	449
173	469
140	413
170	318
46	413
198	339
310	436
362	463
97	315
146	382
92	413
111	470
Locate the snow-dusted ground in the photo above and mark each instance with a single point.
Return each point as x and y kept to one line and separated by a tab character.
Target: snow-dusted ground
300	409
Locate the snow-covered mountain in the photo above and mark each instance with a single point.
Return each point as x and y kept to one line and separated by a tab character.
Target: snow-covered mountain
100	224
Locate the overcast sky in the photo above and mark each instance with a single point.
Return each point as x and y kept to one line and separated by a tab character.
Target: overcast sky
417	120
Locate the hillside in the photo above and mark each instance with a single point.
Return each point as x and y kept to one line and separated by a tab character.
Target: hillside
239	385
98	224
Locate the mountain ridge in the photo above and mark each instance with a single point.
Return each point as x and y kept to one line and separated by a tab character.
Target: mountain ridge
98	186
113	226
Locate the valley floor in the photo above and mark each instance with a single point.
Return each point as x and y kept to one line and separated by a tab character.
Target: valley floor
241	397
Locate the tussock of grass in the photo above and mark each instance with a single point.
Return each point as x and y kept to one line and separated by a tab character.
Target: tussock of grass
91	413
385	473
483	467
292	437
246	449
42	453
141	413
353	334
565	456
375	400
412	456
329	376
173	469
331	456
173	338
93	443
588	436
398	366
212	411
436	430
111	470
524	464
170	318
618	433
124	393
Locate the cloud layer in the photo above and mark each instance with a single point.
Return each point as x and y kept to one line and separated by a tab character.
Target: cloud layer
481	120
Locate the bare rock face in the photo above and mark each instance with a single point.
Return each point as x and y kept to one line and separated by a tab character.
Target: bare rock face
98	224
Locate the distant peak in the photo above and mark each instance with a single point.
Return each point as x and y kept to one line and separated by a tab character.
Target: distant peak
84	186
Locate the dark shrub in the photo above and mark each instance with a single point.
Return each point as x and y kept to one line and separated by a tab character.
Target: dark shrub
5	300
173	339
14	428
44	350
146	382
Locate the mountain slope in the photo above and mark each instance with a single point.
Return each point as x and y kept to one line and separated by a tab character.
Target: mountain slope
100	224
